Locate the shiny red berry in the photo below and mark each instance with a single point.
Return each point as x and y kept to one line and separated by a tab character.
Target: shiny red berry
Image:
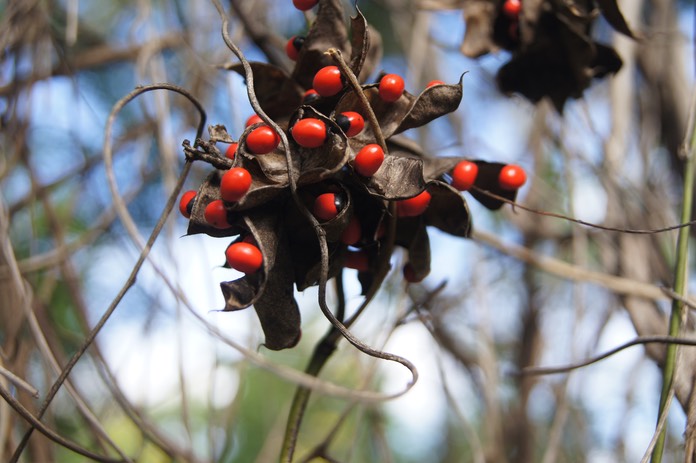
327	206
234	184
262	140
253	119
368	160
358	260
244	257
352	232
310	96
464	175
413	207
304	5
391	87
293	46
512	177
186	203
433	83
328	81
216	214
309	132
410	274
231	151
351	123
512	8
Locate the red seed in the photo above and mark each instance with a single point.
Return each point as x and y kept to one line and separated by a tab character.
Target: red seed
512	8
234	184
244	257
253	119
391	87
413	207
464	175
231	151
328	81
216	214
262	140
309	132
304	5
368	160
293	46
433	83
351	123
186	203
512	177
327	206
352	232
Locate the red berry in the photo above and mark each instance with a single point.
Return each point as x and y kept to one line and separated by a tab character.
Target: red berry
413	207
357	260
253	119
231	151
410	274
351	123
309	96
327	206
433	83
464	175
511	177
368	160
216	214
512	8
352	232
234	184
391	87
292	47
244	257
309	132
186	203
328	81
262	140
304	5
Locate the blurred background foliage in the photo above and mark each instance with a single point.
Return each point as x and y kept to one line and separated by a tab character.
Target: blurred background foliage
160	385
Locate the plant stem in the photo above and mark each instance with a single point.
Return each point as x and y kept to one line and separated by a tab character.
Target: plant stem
680	280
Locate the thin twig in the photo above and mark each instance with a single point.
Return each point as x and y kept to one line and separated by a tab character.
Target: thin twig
632	231
669	340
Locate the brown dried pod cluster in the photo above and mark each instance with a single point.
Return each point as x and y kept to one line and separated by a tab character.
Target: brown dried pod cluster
287	182
553	52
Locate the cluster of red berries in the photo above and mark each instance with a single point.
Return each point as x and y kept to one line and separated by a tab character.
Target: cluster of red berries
343	175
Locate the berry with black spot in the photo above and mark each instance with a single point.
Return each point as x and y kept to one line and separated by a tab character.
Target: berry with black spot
244	257
328	81
293	46
234	184
216	214
262	140
391	87
351	123
310	96
327	206
413	207
186	203
464	175
512	177
309	132
368	160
